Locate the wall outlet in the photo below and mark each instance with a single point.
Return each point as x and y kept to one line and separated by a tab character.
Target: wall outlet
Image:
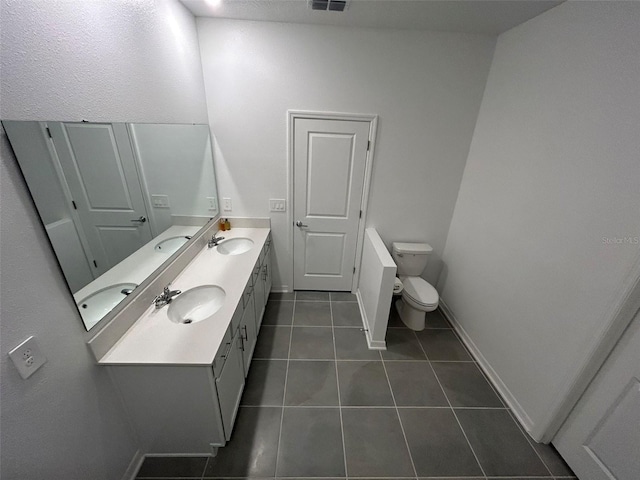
160	201
226	204
27	357
213	203
277	205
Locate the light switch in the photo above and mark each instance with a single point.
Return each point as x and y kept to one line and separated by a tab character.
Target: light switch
226	202
213	203
160	201
277	205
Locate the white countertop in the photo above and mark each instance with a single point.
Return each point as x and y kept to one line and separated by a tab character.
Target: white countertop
155	340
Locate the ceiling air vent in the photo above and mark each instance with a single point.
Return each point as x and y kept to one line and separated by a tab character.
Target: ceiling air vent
328	5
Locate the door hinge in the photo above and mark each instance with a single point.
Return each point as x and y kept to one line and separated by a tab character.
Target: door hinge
75	207
49	132
354	269
360	216
95	264
368	145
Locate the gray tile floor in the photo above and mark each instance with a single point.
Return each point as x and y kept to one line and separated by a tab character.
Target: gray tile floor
319	403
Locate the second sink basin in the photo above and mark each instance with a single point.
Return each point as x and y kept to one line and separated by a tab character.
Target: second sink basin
235	246
196	304
171	245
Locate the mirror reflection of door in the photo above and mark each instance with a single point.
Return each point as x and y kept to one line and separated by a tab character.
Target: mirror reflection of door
99	169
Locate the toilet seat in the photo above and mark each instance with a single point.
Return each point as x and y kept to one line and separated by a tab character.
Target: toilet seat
420	292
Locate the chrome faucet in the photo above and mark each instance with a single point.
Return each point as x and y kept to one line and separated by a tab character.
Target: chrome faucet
165	297
213	242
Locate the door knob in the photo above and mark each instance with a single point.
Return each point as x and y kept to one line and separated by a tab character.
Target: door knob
142	219
300	224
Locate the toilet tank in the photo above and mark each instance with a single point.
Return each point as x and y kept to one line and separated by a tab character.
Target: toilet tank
411	258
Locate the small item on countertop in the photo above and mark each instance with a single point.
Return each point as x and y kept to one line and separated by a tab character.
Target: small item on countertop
227	224
223	224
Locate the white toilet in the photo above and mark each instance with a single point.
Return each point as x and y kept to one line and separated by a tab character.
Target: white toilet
418	296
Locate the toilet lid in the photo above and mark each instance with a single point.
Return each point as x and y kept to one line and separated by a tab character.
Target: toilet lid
420	291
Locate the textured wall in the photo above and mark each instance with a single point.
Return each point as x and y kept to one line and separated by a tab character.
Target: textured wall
115	60
425	86
552	175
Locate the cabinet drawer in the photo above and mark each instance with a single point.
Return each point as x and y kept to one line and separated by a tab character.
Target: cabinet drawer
265	250
237	316
255	275
247	294
223	351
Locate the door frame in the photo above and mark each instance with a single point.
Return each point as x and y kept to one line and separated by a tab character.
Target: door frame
68	198
292	116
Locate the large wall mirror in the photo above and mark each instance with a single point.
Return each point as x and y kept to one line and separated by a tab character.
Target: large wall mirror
116	199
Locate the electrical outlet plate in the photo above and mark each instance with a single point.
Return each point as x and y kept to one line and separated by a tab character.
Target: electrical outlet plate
226	204
213	203
27	357
277	205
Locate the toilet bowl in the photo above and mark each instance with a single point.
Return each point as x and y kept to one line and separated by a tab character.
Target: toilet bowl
418	296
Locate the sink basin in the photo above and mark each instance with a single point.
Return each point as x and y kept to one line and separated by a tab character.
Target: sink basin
98	304
171	245
235	246
196	304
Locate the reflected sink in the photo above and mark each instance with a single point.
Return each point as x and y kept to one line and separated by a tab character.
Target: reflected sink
196	304
98	304
171	245
235	246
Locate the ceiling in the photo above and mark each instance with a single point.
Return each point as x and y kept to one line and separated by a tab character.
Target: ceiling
470	16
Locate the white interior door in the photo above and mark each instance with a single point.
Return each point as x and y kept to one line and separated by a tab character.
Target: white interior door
329	158
98	165
601	438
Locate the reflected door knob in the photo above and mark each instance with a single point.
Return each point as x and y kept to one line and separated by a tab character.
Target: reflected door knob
142	219
300	224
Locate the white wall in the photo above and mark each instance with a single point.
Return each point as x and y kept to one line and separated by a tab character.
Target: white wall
425	86
175	160
553	172
37	167
131	60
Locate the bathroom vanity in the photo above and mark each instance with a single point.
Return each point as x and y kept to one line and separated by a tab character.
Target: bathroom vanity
181	368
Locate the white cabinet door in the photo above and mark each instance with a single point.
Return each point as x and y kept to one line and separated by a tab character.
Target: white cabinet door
248	333
266	275
258	291
329	160
99	168
229	386
601	438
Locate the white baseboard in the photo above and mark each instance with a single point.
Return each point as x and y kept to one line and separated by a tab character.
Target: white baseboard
372	344
491	374
281	289
134	465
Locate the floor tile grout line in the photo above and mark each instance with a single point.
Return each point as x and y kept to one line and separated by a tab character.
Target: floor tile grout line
335	364
393	397
453	410
376	407
284	393
206	464
364	478
526	436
